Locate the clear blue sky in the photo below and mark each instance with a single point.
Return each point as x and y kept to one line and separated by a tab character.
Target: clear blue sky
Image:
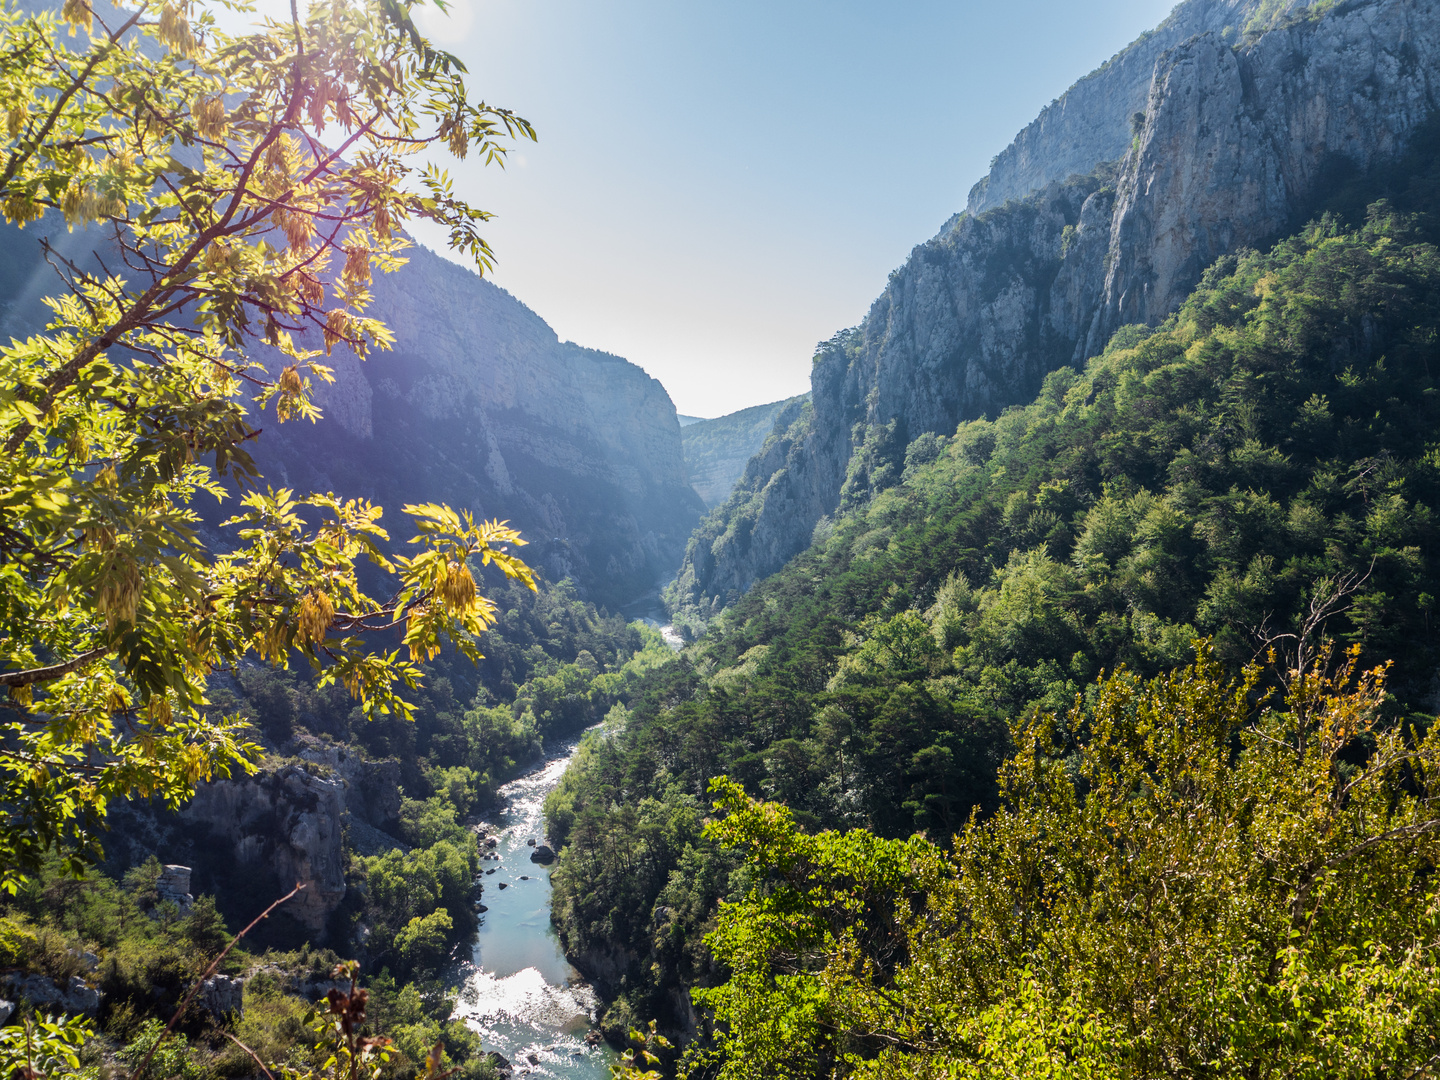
720	185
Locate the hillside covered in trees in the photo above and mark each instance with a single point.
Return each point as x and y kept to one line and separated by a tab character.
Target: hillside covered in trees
1266	453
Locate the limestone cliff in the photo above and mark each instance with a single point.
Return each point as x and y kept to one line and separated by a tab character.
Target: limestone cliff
287	824
480	405
1238	137
1092	121
717	451
252	839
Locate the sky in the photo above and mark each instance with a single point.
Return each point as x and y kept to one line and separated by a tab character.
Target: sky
719	185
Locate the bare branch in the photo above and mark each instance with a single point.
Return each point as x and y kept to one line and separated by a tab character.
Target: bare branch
45	674
253	1056
214	965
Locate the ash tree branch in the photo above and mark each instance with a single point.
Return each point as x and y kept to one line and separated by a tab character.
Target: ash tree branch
31	676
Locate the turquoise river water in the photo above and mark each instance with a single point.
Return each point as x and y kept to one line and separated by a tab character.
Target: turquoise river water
518	990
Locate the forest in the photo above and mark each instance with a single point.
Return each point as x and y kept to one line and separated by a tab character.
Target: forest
553	666
1260	465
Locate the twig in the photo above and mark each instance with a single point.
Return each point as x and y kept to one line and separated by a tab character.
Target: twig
253	1056
180	1010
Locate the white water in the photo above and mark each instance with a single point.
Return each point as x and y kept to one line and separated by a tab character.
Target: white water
519	991
668	632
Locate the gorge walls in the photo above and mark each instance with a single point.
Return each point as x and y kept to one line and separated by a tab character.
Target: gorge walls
480	405
1238	134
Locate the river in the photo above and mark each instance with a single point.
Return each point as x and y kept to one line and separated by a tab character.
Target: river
518	991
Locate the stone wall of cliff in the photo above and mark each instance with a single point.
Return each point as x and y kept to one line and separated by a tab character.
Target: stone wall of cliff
1091	121
480	405
251	839
1233	149
717	451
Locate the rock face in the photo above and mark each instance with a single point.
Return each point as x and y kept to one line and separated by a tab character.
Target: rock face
288	822
222	996
481	406
717	451
76	996
1091	121
1234	147
174	885
249	841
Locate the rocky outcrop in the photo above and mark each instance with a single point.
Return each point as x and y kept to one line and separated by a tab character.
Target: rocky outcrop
287	822
173	886
1233	148
222	996
248	841
605	966
372	787
75	995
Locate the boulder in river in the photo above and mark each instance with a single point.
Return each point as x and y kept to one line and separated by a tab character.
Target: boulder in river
501	1063
542	854
530	842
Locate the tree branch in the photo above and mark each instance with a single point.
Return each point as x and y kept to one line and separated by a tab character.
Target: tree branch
214	965
45	674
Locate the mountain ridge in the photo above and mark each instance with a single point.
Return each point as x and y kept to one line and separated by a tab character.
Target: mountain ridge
480	405
1238	143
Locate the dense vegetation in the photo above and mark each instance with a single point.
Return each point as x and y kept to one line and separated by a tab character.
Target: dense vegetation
1268	453
554	664
1191	877
144	955
551	666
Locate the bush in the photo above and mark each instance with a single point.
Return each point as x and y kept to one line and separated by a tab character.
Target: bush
17	942
172	1061
422	942
273	1026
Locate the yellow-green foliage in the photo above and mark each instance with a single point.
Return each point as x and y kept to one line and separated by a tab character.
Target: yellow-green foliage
273	1026
139	394
1179	883
18	943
